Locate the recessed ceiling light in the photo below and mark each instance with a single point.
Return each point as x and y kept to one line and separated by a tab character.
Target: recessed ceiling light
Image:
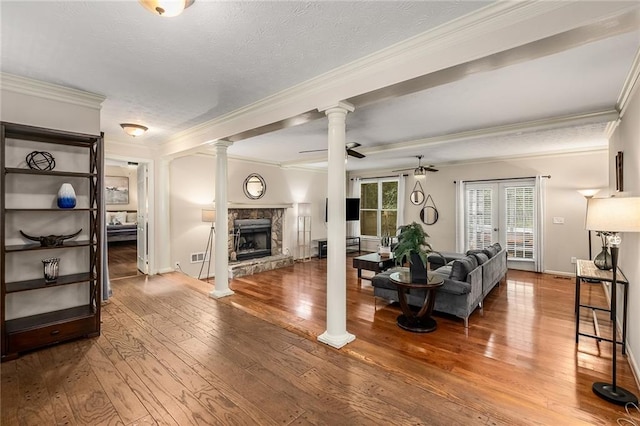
166	8
133	129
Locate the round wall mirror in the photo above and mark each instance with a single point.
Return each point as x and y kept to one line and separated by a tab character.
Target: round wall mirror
417	197
254	186
429	215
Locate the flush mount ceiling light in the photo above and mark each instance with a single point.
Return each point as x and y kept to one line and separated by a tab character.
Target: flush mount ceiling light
166	8
133	129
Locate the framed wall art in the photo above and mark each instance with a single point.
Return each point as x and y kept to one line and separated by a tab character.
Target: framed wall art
619	172
116	190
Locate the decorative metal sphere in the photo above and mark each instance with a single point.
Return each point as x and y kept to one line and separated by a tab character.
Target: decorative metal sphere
40	160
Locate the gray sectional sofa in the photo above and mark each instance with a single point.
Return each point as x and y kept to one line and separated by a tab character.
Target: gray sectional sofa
468	279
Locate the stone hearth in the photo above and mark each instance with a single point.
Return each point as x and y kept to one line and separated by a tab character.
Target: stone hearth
253	266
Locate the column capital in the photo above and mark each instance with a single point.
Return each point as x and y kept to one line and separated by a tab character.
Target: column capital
343	106
222	144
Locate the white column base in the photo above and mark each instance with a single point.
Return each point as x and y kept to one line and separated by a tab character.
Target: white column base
336	341
217	294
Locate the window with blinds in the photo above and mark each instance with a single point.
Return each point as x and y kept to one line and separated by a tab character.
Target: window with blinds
519	217
378	207
478	218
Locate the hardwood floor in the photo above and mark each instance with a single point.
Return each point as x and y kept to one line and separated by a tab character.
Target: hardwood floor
123	258
169	354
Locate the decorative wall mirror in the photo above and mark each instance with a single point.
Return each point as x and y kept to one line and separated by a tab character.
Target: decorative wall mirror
417	195
429	213
254	186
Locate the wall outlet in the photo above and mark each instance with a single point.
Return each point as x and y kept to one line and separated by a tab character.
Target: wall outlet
177	265
573	260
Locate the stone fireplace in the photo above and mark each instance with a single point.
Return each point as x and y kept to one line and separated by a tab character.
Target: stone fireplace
256	240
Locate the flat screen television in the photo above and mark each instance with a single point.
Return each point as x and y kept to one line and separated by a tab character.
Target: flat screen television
352	209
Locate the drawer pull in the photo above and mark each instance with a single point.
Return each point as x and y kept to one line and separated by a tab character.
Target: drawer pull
54	332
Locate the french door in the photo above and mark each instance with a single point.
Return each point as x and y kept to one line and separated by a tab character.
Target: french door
143	187
503	212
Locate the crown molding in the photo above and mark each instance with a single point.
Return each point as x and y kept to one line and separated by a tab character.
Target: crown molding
40	89
630	85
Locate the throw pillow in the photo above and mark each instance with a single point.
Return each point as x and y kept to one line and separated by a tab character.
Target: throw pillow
461	268
119	218
131	217
480	257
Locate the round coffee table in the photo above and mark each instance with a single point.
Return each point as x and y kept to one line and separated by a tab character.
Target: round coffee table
420	321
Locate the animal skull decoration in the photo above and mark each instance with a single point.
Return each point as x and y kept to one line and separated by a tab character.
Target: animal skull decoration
51	240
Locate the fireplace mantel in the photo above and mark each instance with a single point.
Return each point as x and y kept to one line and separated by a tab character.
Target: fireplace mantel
259	206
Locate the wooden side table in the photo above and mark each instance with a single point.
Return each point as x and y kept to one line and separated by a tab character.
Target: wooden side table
586	270
421	321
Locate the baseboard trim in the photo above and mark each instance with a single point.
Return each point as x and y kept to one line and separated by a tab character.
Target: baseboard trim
560	273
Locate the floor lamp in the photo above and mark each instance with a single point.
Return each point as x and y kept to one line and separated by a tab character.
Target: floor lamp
208	216
614	215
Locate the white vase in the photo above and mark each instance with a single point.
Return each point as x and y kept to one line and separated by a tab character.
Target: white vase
66	196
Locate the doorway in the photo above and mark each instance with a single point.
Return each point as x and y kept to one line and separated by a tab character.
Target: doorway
126	193
506	212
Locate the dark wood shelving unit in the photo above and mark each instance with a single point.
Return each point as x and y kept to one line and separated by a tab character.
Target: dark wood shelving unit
20	334
14	287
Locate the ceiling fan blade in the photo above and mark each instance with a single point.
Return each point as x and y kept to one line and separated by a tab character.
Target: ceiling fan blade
351	145
430	169
403	170
355	154
311	150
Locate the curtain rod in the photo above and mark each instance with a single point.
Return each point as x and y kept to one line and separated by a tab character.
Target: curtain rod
379	177
515	178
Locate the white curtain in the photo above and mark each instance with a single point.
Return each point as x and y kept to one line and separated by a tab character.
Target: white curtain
460	216
540	191
353	228
401	200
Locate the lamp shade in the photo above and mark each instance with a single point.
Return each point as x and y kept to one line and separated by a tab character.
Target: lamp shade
613	214
208	215
588	193
166	8
134	129
304	209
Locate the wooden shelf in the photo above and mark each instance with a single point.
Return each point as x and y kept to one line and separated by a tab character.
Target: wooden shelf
31	133
15	170
35	246
50	210
49	318
58	325
17	286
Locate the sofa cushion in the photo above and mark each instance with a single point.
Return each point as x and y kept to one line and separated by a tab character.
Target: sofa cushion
455	287
481	257
461	267
490	251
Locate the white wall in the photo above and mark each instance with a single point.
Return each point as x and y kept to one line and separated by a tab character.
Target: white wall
192	183
627	139
569	173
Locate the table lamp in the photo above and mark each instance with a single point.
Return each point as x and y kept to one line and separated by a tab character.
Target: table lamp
613	215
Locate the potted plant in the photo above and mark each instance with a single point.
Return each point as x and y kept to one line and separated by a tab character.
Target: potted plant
413	246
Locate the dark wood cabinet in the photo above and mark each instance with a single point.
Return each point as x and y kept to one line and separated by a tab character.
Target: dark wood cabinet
33	312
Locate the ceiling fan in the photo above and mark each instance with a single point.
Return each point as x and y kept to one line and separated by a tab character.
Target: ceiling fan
349	147
421	170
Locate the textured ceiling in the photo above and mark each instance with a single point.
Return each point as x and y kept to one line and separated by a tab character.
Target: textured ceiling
171	74
219	56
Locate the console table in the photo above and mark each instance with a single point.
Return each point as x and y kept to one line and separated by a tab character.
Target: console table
351	242
586	270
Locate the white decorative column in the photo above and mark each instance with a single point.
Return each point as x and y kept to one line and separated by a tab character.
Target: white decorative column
336	334
222	223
